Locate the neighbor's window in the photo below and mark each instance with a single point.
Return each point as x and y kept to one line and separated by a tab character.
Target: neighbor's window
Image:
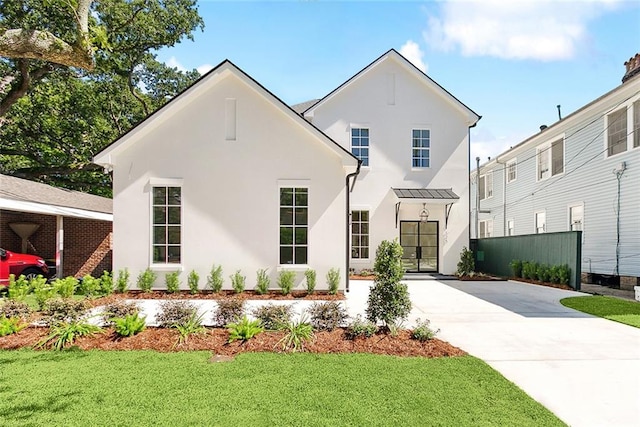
294	225
636	124
359	234
617	132
551	159
511	228
360	144
421	143
511	171
485	186
576	216
167	224
486	228
541	222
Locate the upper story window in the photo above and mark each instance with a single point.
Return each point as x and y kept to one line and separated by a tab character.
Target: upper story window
636	124
576	216
421	144
511	227
360	234
294	225
550	159
486	228
541	222
511	171
360	144
485	185
617	132
167	224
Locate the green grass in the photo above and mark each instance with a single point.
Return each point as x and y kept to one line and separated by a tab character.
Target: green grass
619	310
75	388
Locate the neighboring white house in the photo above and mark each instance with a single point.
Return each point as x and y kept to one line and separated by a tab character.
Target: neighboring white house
413	139
581	173
226	173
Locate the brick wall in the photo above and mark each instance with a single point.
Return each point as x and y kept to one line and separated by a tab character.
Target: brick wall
87	242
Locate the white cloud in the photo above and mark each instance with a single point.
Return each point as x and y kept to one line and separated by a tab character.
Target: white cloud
485	144
174	63
541	30
411	50
202	69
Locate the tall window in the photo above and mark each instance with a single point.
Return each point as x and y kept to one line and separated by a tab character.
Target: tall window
617	132
421	144
541	222
511	170
167	224
359	234
486	228
636	124
485	186
576	216
294	225
360	144
551	159
511	228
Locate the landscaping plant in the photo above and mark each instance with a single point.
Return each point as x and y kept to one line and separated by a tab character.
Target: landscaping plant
228	311
66	287
286	281
543	273
15	308
244	329
466	265
360	327
423	332
238	282
122	282
89	285
333	280
296	334
118	310
174	312
11	325
129	325
66	332
42	291
262	281
327	316
214	279
564	274
60	310
388	298
172	282
146	279
18	288
193	281
516	268
273	316
191	326
310	277
106	283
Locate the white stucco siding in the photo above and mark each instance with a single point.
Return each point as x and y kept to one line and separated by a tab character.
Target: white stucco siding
364	103
230	191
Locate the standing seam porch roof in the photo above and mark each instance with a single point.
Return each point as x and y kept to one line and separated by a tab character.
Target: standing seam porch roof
426	193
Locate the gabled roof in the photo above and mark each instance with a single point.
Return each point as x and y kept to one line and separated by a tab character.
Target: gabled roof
304	106
225	68
392	54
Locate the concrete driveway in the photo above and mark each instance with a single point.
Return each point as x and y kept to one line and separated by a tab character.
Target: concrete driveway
584	369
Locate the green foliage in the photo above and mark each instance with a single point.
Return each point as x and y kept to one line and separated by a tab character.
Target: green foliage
11	325
59	310
388	264
612	308
214	279
228	311
65	333
244	329
106	283
310	276
66	287
146	279
564	274
554	274
262	282
119	309
15	308
272	316
297	333
172	282
129	325
190	326
42	291
543	272
174	312
18	288
286	281
327	316
530	270
360	328
467	264
193	282
423	332
89	285
516	267
122	283
333	280
238	282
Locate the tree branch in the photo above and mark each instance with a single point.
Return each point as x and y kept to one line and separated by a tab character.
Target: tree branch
20	88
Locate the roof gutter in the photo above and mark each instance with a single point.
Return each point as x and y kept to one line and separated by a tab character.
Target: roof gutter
349	188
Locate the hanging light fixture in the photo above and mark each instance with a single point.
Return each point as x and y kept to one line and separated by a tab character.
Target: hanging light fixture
424	213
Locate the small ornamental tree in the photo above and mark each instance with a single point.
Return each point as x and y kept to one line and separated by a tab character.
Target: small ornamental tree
466	265
388	298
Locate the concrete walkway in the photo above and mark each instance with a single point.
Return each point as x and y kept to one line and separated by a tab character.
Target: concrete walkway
583	368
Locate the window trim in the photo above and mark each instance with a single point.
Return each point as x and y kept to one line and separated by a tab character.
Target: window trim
635	119
294	183
361	127
514	163
626	108
485	185
535	222
428	149
547	147
165	182
485	222
512	221
360	209
571	206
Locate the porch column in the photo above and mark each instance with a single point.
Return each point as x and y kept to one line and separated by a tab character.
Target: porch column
59	245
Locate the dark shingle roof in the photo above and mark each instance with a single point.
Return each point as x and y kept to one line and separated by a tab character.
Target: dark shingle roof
425	193
304	106
29	191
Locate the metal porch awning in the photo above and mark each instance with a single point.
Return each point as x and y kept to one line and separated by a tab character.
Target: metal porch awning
442	196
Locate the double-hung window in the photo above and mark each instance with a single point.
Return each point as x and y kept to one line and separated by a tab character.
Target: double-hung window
421	146
511	170
485	185
617	132
551	159
576	217
360	144
511	227
541	222
486	228
294	225
167	224
360	234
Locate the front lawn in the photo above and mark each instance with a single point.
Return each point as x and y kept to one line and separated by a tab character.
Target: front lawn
623	311
76	388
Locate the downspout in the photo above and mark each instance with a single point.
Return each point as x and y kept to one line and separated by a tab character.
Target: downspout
504	195
347	239
477	197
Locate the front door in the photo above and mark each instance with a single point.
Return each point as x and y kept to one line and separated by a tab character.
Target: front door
419	241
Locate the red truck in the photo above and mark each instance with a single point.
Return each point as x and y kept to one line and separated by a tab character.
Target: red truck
20	264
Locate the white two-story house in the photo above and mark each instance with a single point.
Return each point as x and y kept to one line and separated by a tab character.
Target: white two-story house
580	173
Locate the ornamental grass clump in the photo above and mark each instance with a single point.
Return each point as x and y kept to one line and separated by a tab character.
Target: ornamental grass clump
297	333
286	281
190	326
65	333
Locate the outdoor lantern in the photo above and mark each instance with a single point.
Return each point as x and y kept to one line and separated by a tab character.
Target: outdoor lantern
424	213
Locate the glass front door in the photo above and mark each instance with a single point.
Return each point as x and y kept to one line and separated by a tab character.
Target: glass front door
419	241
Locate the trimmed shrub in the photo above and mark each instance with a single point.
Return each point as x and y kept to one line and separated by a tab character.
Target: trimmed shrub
286	281
333	280
119	310
172	282
564	274
11	325
89	285
238	282
122	283
64	310
262	282
423	332
106	283
543	273
42	291
66	287
18	288
310	276
214	279
174	312
327	316
15	308
228	311
273	316
193	281
360	328
467	264
146	279
516	268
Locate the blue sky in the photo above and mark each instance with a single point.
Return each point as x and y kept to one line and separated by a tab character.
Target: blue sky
511	61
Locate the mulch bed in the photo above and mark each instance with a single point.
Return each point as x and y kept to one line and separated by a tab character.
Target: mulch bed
537	282
215	340
253	295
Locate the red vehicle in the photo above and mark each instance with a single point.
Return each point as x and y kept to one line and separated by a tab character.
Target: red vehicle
20	264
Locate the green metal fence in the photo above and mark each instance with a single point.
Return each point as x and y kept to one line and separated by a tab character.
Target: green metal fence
494	254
